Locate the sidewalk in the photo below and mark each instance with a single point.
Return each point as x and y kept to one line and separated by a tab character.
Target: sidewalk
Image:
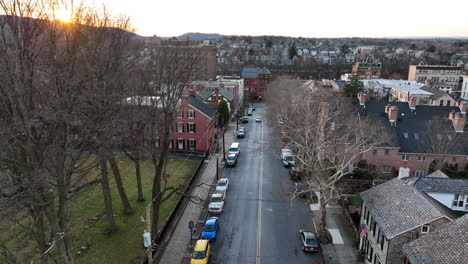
343	250
178	243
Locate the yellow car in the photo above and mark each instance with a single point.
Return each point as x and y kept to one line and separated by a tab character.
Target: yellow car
201	252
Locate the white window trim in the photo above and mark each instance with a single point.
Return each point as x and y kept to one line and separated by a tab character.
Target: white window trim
423	159
421	173
191	114
189	130
189	141
427	231
385	171
405	157
180	114
180	125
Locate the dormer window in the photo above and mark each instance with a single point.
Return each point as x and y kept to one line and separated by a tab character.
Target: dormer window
425	229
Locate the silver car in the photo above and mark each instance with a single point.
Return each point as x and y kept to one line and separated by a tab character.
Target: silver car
309	241
223	185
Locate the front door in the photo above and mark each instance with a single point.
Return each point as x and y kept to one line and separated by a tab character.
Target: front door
180	143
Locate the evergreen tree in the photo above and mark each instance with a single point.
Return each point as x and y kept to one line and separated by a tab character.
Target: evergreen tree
354	87
223	113
292	51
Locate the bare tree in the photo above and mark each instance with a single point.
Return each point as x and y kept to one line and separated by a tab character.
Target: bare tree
325	133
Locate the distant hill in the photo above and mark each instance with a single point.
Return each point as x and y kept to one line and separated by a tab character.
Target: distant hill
200	36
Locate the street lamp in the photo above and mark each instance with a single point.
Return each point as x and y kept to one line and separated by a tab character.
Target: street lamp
217	166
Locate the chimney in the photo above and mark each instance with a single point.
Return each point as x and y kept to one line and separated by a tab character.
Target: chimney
192	93
217	94
362	99
452	115
412	103
393	115
459	122
387	107
404	172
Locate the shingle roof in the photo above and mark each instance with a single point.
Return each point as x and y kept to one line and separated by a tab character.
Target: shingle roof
399	207
205	94
202	106
411	133
436	92
253	72
227	94
445	245
442	185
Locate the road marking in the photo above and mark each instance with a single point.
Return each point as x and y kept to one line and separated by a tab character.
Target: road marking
259	213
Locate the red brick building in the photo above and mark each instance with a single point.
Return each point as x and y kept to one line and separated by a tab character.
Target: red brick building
367	69
419	135
256	80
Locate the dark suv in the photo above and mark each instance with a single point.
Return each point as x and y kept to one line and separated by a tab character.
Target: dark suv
295	173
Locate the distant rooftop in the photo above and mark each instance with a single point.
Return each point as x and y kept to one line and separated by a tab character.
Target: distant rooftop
253	72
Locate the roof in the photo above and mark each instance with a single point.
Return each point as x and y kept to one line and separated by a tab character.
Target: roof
436	92
226	94
253	72
411	134
211	221
442	185
399	207
445	245
438	174
202	106
439	83
413	89
437	67
205	94
201	245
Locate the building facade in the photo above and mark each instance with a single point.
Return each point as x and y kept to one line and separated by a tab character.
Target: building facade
256	80
370	68
464	90
436	73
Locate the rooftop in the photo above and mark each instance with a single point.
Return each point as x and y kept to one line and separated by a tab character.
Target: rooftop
202	106
442	246
253	72
399	207
442	185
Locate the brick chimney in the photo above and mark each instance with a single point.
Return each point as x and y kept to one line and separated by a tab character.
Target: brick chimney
412	103
362	99
393	115
452	115
387	107
459	122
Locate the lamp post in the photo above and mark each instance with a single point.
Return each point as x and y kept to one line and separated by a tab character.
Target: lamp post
217	166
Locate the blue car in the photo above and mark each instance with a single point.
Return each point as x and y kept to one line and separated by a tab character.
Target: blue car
211	229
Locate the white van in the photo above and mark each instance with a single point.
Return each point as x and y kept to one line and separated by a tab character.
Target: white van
234	149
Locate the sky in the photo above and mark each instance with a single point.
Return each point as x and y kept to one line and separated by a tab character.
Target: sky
296	18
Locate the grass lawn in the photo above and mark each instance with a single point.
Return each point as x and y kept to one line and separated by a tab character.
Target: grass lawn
125	245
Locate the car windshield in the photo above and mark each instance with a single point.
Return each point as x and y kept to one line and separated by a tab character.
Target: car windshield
233	150
199	255
231	158
216	199
209	228
311	241
223	183
289	158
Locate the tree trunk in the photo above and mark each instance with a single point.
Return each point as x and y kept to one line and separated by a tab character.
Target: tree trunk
323	217
156	193
127	208
141	198
112	227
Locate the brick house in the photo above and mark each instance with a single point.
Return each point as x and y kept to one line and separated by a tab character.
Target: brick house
195	125
256	80
367	69
445	245
418	135
393	214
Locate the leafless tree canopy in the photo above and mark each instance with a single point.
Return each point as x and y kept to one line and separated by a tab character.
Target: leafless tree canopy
324	131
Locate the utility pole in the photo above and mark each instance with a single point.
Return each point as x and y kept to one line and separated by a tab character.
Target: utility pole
224	149
148	227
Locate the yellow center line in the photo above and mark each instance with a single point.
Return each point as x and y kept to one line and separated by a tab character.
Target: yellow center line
260	191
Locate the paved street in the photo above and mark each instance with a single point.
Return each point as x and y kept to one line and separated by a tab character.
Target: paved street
260	223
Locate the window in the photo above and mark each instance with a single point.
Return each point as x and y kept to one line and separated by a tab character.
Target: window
382	241
448	102
387	152
425	229
370	252
192	144
419	173
374	227
406	135
191	114
367	217
416	136
180	143
421	158
459	200
180	127
191	128
387	169
441	102
180	114
405	157
157	143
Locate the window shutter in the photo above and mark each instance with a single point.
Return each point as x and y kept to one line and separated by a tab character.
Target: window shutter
183	128
194	112
183	144
195	145
194	128
188	127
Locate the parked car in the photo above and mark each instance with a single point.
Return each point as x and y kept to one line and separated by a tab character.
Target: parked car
210	230
231	160
295	173
235	148
249	113
309	241
222	185
241	133
258	120
299	190
201	252
287	157
245	119
216	205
